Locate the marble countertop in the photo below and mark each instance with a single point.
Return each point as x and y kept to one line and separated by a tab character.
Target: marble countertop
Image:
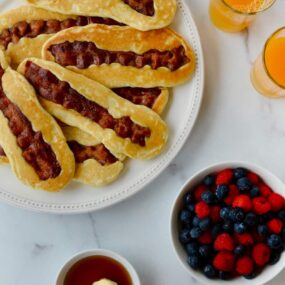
235	123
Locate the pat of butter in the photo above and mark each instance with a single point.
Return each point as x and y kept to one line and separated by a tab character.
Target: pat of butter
105	282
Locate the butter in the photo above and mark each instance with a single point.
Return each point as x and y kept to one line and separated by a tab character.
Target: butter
105	282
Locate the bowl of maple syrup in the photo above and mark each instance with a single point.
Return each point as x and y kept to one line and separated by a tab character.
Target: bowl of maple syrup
97	267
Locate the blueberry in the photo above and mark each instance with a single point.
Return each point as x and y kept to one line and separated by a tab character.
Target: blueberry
194	261
262	230
227	227
250	219
244	184
196	221
185	216
236	215
188	198
222	191
268	216
281	215
274	241
205	251
209	271
240	228
274	257
254	192
208	197
239	250
192	248
216	229
205	224
190	207
196	232
185	236
224	213
224	275
209	180
239	172
250	276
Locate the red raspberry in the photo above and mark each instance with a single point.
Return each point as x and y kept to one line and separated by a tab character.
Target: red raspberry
215	214
261	254
206	237
261	206
276	201
232	194
243	202
224	177
202	210
244	265
275	226
264	189
224	261
253	177
199	191
244	239
224	242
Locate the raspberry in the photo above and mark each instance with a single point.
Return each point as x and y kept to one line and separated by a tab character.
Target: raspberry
198	192
261	206
224	242
224	177
202	210
261	254
233	192
215	214
205	238
244	265
244	239
224	261
264	190
276	201
275	226
243	202
253	178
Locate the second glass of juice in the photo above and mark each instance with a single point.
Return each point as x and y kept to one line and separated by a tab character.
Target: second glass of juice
236	15
268	71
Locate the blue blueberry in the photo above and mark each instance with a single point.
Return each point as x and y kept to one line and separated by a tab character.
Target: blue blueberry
194	261
205	224
216	229
191	207
274	241
268	216
254	192
188	198
250	219
281	215
244	184
224	275
227	227
205	251
240	228
208	197
192	248
222	191
185	216
239	173
236	215
185	236
196	221
274	257
209	271
262	230
250	276
239	250
224	213
196	232
209	180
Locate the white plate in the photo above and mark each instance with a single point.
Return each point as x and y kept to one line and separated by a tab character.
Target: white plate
180	117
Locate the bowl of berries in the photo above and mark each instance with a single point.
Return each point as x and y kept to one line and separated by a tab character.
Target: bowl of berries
228	224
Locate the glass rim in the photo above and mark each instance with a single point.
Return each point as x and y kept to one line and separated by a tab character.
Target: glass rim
263	56
248	13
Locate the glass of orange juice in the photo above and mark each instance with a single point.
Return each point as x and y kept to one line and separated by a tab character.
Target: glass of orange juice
268	71
236	15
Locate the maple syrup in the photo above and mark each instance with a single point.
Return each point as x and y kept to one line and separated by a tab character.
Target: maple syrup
94	268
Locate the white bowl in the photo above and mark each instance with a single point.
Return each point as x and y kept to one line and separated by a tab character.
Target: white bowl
275	183
98	252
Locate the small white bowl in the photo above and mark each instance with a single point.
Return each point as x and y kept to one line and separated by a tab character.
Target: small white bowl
275	183
98	252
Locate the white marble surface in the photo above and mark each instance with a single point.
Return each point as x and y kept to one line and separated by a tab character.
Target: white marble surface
235	123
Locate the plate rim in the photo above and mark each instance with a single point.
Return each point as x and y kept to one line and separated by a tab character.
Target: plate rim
81	207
